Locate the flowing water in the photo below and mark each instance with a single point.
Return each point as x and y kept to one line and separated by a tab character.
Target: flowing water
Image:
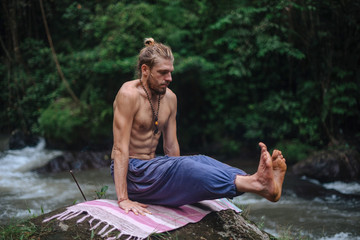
24	193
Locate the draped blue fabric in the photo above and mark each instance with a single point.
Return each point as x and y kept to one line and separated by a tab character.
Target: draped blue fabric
175	181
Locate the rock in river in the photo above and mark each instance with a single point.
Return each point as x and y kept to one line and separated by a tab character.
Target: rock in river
215	226
331	165
74	160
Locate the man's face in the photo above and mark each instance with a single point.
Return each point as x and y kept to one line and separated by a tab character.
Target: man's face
160	76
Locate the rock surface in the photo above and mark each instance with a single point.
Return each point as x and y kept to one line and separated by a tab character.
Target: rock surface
331	165
77	161
216	226
311	190
19	140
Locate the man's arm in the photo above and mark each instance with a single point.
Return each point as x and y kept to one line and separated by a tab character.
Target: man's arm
171	144
124	112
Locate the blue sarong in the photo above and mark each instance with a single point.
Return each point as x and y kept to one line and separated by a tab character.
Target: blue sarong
176	181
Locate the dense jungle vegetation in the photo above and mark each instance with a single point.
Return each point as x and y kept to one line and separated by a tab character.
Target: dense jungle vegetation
284	72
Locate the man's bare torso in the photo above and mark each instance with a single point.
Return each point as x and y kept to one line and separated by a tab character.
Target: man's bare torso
143	141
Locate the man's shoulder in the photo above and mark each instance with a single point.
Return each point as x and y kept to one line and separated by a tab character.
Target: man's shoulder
170	94
128	92
129	88
170	99
129	85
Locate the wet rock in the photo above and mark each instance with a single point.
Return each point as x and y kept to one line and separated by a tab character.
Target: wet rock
221	225
19	140
97	144
215	226
311	190
4	142
77	161
331	165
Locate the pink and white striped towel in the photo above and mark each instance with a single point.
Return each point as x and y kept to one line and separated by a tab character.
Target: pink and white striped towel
113	219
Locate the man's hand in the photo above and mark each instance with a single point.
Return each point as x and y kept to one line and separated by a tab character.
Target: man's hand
136	207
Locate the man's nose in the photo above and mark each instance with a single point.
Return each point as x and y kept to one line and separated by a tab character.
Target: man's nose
168	77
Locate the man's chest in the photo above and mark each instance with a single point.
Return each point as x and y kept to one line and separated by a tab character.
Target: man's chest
145	118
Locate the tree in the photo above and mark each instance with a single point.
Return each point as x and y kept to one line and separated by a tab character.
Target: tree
244	71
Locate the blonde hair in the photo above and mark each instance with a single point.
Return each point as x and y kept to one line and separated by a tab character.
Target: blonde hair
151	52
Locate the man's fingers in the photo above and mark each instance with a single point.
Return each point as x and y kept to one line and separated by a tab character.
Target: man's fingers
135	207
138	210
142	211
135	211
147	211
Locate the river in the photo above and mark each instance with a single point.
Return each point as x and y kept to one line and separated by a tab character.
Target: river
24	193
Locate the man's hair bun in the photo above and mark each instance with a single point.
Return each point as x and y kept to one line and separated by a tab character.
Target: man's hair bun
152	52
149	42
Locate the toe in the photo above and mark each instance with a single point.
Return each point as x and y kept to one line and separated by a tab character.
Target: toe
262	146
276	153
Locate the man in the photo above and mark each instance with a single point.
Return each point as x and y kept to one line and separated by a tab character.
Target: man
146	108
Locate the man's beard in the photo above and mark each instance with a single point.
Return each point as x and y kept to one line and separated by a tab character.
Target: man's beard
153	89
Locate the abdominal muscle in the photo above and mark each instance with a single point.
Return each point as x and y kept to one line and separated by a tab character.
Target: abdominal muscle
143	147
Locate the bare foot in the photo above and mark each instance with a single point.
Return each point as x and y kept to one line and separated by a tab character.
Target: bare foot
279	167
268	180
270	174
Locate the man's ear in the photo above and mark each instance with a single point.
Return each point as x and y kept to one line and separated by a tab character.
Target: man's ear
145	70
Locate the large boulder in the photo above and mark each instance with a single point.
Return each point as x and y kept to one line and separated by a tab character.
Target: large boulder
331	165
19	140
311	190
216	226
77	161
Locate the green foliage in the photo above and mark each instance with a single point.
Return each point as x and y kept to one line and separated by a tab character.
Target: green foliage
24	93
244	71
18	230
102	193
61	120
294	150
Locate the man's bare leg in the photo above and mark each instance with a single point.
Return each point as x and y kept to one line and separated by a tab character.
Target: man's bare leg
267	181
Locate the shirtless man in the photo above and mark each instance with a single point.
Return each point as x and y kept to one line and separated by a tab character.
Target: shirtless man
146	108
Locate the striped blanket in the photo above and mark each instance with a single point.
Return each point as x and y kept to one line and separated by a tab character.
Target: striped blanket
106	217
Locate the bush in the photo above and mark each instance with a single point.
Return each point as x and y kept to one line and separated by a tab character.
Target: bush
294	150
63	120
